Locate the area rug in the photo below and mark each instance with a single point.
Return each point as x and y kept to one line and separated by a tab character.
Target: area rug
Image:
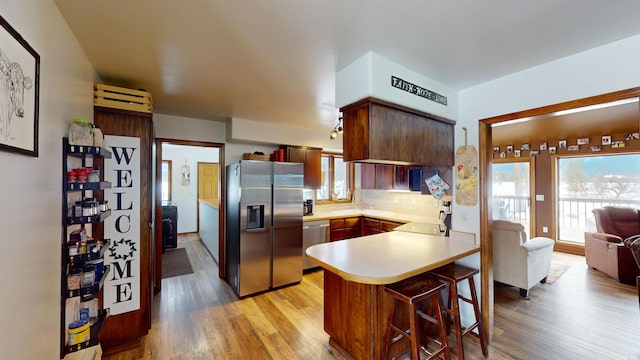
175	262
557	269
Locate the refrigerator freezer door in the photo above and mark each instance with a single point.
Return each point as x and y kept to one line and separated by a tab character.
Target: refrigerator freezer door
255	239
288	181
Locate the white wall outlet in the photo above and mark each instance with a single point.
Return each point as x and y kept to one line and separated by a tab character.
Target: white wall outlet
545	229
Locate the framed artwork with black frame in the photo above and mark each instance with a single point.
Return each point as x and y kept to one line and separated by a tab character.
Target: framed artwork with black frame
19	93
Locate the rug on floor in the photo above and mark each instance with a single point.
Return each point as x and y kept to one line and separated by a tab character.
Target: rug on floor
175	262
557	269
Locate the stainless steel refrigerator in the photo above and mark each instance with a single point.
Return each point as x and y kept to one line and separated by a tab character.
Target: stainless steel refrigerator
263	225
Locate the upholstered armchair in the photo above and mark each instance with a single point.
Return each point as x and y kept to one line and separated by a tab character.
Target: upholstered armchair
516	261
605	250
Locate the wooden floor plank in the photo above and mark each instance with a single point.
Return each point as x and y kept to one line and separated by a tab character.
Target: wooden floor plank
583	315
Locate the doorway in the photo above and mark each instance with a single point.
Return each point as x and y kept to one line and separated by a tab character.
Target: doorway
586	110
183	188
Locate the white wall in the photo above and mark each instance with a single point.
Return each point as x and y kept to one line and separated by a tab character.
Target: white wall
242	130
184	128
370	75
30	219
600	70
186	197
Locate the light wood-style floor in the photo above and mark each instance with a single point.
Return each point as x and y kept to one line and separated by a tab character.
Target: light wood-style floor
583	315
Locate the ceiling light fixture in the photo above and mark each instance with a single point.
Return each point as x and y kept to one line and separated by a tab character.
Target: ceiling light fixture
336	129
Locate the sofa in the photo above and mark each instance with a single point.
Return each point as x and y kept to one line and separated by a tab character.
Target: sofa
605	250
517	261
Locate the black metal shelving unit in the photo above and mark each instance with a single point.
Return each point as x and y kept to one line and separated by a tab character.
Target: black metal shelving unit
83	153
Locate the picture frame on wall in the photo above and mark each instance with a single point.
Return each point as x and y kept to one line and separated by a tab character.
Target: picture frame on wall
552	150
19	97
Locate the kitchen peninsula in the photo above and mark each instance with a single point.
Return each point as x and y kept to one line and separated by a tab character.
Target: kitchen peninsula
356	270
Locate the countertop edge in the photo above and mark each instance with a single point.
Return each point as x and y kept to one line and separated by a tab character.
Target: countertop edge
391	280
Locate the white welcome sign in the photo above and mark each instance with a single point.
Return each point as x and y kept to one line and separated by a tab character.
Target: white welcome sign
122	285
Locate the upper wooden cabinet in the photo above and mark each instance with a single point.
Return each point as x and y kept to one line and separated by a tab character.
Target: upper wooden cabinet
377	176
378	131
385	177
311	158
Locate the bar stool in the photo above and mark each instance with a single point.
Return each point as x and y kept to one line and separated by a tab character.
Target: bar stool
413	291
454	274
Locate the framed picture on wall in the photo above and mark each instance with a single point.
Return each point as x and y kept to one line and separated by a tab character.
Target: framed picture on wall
552	150
19	96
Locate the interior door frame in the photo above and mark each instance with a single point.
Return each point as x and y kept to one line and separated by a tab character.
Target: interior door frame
158	209
485	144
531	161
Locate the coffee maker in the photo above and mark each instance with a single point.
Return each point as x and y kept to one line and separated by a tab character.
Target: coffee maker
308	207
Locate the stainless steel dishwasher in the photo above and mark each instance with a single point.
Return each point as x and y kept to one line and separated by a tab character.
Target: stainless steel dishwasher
313	232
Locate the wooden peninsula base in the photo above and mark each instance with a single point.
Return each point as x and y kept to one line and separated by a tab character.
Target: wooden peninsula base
355	317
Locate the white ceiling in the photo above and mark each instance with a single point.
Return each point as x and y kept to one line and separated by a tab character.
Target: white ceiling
275	60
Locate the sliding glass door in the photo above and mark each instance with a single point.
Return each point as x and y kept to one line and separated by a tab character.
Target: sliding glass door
512	186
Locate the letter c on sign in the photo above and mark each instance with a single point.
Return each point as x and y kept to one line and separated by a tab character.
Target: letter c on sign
119	224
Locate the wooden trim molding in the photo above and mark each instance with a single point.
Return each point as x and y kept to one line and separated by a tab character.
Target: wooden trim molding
486	161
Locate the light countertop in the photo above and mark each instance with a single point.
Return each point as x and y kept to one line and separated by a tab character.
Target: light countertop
388	257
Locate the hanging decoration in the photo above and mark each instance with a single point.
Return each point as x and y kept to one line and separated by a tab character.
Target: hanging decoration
437	186
467	173
186	174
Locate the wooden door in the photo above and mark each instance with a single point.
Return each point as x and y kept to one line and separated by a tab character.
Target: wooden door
208	182
125	330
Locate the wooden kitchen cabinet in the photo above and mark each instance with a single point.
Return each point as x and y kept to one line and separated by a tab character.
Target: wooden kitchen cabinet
377	131
377	176
311	158
372	226
387	225
345	228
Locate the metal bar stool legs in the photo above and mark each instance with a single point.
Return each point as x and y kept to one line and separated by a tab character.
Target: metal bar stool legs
454	274
413	292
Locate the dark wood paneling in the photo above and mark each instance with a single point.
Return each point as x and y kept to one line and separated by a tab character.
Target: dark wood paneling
381	132
125	330
355	138
312	160
385	175
368	176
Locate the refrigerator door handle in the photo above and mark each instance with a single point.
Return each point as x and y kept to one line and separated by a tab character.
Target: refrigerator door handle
256	230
